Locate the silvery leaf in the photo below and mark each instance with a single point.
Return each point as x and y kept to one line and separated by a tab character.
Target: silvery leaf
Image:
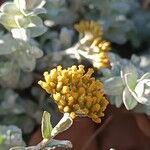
30	5
25	61
36	52
128	99
9	8
62	125
26	6
113	86
37	30
135	59
8	21
145	76
129	68
142	92
9	74
35	21
9	47
21	4
38	11
131	81
46	127
118	101
36	26
21	21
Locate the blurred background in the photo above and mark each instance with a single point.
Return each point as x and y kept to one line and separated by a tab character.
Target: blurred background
126	24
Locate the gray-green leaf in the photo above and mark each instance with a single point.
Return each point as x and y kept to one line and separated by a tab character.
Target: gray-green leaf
113	86
128	99
46	125
130	81
62	125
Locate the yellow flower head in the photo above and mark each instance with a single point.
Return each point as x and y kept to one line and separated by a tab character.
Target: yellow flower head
89	27
76	92
95	42
102	47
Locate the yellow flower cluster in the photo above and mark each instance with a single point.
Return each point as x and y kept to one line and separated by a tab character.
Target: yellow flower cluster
89	27
103	48
97	44
76	92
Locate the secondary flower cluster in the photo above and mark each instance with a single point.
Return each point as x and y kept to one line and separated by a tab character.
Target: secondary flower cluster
76	92
89	27
97	45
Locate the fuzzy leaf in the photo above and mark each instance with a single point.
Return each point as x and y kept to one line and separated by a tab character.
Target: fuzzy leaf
118	101
8	21
22	21
128	99
39	11
10	8
113	86
37	30
62	125
27	6
145	76
30	5
9	47
130	81
46	126
129	69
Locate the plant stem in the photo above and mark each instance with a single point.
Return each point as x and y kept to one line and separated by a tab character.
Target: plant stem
40	146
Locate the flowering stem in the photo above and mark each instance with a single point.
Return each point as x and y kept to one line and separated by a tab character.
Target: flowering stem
62	125
39	146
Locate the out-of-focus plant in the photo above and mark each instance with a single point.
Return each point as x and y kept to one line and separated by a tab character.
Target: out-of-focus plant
10	136
60	12
23	14
14	109
119	21
122	20
18	50
145	61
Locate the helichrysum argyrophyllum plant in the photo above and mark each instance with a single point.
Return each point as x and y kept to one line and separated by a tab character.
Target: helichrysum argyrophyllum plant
10	136
18	50
77	94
